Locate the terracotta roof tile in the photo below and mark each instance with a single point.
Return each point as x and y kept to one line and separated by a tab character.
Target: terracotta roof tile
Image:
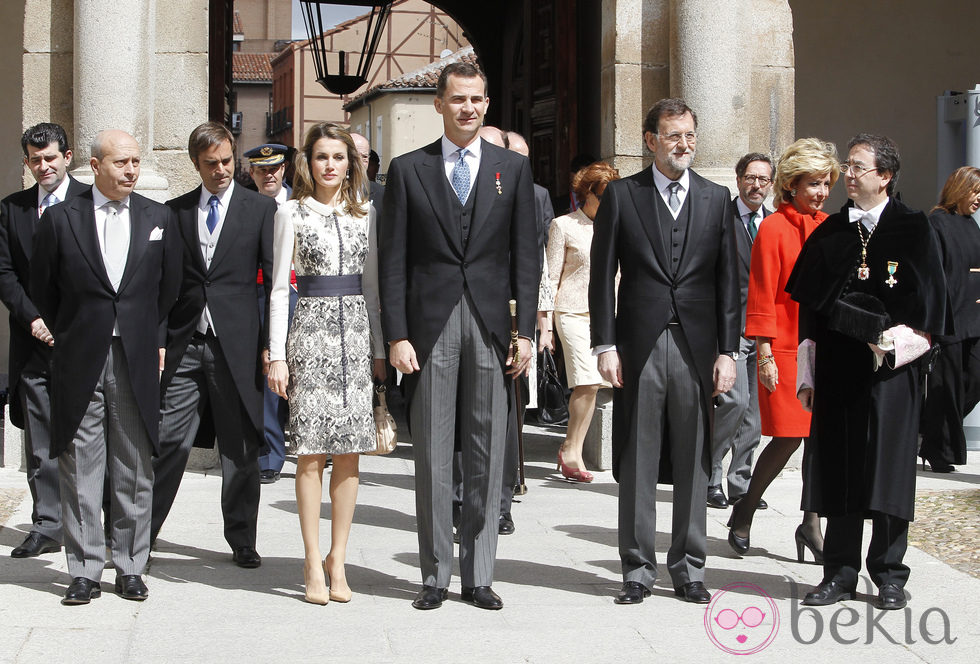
237	25
426	77
252	66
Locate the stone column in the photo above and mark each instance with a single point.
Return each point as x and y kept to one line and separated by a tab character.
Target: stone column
711	69
114	81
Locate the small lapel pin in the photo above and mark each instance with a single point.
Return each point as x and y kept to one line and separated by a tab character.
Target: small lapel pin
499	190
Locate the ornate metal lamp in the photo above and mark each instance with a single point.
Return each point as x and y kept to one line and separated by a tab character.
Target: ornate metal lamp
344	82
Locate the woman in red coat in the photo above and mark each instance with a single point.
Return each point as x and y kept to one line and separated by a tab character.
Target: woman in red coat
804	175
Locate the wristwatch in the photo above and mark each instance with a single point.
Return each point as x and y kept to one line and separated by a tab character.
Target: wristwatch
734	355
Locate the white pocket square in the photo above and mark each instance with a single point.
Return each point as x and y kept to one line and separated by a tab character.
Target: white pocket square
156	234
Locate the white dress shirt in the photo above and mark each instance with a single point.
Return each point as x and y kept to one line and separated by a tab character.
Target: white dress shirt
60	192
209	240
450	155
101	212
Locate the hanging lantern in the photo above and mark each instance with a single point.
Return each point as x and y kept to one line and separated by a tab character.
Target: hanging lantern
344	81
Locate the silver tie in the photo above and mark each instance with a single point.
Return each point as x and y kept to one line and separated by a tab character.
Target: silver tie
117	233
673	201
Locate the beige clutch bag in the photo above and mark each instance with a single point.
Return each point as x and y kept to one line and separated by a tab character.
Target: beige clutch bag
384	424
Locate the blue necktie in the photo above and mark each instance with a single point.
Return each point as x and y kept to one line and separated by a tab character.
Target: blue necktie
461	176
212	221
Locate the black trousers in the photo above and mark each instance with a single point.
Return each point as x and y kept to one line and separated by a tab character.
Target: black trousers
953	391
842	549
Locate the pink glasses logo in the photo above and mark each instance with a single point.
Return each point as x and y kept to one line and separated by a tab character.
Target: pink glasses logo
742	619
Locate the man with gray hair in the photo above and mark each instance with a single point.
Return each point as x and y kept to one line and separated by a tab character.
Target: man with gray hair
376	190
105	272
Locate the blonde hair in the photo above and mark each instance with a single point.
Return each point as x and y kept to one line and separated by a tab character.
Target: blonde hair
304	186
962	185
807	156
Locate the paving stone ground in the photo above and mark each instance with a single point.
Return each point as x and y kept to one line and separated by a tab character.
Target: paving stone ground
557	576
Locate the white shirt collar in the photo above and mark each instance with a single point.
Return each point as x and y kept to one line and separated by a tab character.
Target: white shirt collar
223	197
282	196
449	148
60	192
661	181
101	199
870	217
744	210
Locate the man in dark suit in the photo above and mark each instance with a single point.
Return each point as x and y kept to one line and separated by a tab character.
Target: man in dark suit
215	339
737	425
670	345
105	271
457	242
47	156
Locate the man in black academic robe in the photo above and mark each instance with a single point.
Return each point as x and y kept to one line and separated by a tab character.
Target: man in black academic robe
883	257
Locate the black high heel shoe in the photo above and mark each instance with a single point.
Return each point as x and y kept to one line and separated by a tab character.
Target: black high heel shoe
740	545
937	466
803	540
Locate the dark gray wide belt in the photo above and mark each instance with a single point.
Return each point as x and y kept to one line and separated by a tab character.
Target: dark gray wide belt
328	285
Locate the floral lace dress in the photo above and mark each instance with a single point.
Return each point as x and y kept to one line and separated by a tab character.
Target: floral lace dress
328	349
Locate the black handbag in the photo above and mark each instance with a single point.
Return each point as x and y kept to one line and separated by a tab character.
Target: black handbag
552	396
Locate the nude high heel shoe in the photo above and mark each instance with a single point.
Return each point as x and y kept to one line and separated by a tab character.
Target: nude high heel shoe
316	596
335	595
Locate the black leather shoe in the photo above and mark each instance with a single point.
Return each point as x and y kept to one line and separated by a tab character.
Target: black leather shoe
890	597
633	592
81	591
268	476
131	586
693	592
740	545
733	500
247	557
827	593
430	597
482	597
505	525
34	545
716	497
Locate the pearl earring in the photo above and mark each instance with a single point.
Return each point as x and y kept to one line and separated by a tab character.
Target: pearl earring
792	192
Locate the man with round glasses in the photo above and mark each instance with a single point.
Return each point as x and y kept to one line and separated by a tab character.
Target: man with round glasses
737	424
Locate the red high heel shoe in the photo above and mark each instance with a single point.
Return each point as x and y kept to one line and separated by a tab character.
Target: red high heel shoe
573	474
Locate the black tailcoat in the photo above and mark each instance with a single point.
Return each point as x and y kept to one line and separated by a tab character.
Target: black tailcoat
864	428
72	291
227	287
704	290
424	265
18	221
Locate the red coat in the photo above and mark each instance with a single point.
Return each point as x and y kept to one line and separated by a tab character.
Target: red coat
770	312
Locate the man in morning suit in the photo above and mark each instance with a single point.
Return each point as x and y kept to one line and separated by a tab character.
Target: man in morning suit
737	424
267	167
105	271
669	347
215	339
458	240
47	156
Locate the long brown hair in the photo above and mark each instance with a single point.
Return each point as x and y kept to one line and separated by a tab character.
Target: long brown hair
304	186
960	186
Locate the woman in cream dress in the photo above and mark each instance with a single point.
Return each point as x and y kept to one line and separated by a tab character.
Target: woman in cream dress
324	366
569	246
